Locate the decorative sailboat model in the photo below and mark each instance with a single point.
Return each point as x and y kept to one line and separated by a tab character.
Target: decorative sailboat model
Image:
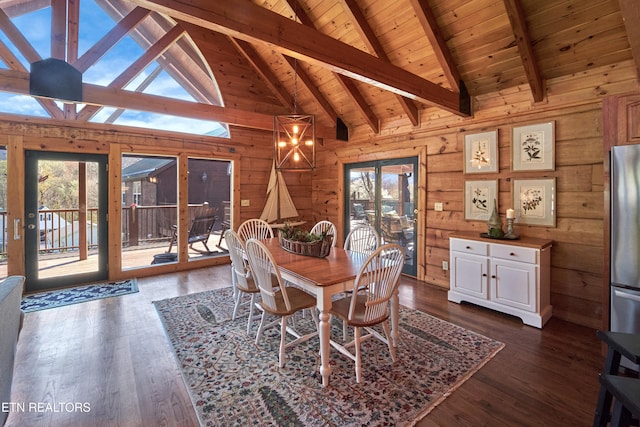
279	207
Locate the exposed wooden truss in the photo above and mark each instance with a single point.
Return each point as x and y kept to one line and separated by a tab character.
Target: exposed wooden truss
348	54
255	24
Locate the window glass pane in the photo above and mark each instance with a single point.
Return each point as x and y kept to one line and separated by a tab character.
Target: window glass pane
209	206
149	212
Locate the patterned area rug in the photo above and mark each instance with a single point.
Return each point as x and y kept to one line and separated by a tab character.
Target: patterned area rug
62	297
232	381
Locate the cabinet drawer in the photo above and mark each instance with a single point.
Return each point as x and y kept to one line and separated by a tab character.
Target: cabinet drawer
514	253
469	246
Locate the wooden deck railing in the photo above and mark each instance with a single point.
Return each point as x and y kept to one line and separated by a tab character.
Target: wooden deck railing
141	225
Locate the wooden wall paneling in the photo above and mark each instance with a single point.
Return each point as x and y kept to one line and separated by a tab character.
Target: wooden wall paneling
574	103
15	205
114	212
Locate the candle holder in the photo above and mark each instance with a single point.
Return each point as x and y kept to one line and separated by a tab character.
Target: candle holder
510	233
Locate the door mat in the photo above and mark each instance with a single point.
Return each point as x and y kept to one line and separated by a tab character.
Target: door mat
62	297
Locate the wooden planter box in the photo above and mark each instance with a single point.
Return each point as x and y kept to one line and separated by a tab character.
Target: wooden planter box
319	249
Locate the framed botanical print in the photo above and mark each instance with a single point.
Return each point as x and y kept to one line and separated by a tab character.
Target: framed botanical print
534	201
481	152
479	198
533	147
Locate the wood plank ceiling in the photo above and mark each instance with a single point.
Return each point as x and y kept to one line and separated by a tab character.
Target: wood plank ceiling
365	63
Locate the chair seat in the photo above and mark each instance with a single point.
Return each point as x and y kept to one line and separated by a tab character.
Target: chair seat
298	299
341	307
249	288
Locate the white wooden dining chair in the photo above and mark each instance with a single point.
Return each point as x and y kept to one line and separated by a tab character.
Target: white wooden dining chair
277	299
368	304
243	282
327	228
255	228
362	238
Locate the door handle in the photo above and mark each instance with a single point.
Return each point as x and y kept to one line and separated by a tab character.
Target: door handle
16	229
626	295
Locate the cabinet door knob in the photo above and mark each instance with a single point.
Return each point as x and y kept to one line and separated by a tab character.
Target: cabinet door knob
512	254
468	247
493	277
484	275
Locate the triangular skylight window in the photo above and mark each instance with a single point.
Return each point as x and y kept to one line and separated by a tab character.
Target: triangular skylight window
152	57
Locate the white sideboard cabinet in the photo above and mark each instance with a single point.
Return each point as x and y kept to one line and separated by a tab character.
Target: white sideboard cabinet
510	276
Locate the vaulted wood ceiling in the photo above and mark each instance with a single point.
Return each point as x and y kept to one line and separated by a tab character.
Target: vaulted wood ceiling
371	62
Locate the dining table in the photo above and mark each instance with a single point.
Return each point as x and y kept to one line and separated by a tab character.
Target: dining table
325	277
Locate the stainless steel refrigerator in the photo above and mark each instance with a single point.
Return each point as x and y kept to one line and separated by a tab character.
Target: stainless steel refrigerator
625	241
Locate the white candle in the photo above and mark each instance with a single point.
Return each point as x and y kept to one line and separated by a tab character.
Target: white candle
511	214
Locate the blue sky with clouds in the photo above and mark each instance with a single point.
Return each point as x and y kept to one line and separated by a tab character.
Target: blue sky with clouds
95	23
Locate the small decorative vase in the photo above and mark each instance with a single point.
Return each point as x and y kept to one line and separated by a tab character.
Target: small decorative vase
495	223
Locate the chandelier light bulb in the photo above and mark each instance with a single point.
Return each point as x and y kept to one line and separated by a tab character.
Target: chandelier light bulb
308	143
282	144
296	129
296	157
294	141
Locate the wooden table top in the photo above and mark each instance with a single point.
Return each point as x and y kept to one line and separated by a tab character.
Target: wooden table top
338	267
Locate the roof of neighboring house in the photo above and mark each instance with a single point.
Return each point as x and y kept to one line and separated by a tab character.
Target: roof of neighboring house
144	168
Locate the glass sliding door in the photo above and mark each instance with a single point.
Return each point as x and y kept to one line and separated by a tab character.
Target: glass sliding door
209	206
149	210
383	194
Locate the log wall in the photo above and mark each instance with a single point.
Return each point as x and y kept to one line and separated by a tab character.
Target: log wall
575	104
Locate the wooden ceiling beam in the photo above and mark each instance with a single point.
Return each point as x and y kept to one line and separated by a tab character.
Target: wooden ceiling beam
373	44
30	54
631	15
519	27
355	96
264	71
59	29
350	86
73	27
317	95
16	37
94	95
427	19
97	51
255	24
138	66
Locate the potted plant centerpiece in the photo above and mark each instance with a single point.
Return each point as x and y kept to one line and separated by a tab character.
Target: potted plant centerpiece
302	242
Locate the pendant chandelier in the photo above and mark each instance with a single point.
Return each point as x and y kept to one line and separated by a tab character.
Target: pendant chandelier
294	137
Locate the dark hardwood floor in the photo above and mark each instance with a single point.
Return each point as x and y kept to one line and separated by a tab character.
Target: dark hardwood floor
112	356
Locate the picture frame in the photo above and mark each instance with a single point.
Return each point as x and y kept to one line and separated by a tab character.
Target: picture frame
534	201
533	147
481	152
479	197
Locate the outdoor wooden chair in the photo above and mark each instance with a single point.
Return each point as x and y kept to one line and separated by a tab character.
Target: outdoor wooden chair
368	305
199	232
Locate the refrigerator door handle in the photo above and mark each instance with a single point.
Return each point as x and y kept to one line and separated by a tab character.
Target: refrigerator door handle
626	295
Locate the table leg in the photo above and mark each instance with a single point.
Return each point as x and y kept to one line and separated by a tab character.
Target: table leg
395	317
324	332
